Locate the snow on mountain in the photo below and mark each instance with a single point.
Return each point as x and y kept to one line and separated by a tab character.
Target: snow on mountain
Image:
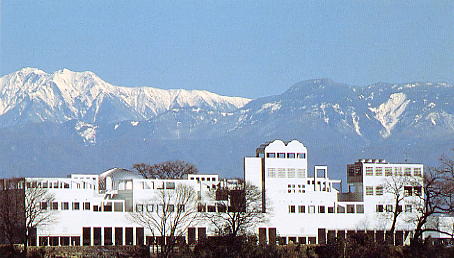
388	113
31	95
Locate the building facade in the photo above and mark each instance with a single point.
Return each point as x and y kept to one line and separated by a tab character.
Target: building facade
302	205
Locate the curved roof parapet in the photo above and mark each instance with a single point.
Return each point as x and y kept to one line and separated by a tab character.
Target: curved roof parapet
294	142
116	175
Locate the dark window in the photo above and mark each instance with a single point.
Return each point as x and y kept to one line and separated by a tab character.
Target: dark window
330	209
340	209
140	236
75	240
191	236
53	241
97	236
118	236
180	207
170	185
171	208
43	205
271	155
281	155
379	208
350	208
301	155
359	208
129	236
108	236
76	206
108	206
290	155
54	206
291	208
302	209
118	206
86	236
321	209
65	206
86	206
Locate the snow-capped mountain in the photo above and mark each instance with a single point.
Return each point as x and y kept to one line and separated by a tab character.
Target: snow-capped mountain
88	125
31	95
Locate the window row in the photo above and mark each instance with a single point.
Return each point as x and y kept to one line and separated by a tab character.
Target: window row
390	208
349	208
408	190
64	206
287	172
59	185
283	155
159	207
390	171
198	178
370	190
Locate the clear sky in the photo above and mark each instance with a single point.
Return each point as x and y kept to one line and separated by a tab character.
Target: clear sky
241	48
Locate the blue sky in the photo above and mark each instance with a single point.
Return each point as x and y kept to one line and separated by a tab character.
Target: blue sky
241	48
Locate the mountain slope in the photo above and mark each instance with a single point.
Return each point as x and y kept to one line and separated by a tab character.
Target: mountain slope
53	124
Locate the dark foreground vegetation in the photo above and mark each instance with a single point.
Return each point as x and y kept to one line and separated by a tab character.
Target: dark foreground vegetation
355	246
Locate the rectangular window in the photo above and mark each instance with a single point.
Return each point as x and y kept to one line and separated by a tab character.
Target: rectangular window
43	205
417	172
271	155
379	171
369	190
301	155
291	209
407	190
118	206
388	171
369	171
76	206
54	206
417	190
65	206
408	208
321	209
171	208
340	209
359	208
312	209
87	206
350	208
407	172
389	208
398	171
150	207
139	207
330	209
399	208
379	208
379	190
281	155
290	155
180	207
171	185
301	209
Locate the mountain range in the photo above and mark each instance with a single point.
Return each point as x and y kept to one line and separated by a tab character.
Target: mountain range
75	122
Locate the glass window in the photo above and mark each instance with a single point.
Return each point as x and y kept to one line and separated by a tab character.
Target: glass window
340	209
139	207
270	155
65	206
290	155
321	209
379	208
43	205
369	171
291	208
369	190
407	190
389	208
417	172
330	209
118	206
350	208
407	172
398	171
388	171
379	190
359	208
170	185
312	209
86	206
54	206
379	171
301	155
281	155
417	190
302	209
76	206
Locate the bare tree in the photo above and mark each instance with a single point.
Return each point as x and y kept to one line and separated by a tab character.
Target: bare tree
169	215
37	209
168	169
12	215
237	210
394	187
24	207
437	200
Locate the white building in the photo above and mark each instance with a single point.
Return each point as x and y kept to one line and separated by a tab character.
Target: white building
309	209
303	205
